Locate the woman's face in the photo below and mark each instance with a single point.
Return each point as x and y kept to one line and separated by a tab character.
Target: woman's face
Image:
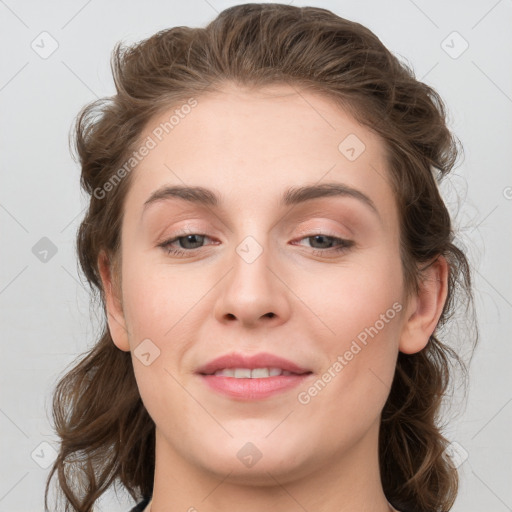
276	269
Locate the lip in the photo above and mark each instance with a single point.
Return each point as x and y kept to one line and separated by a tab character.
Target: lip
252	389
248	389
262	360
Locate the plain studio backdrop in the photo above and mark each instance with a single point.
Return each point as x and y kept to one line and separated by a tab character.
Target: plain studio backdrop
56	58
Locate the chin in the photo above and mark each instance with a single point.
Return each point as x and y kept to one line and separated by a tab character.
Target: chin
260	461
262	473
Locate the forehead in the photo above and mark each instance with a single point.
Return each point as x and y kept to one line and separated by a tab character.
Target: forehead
252	144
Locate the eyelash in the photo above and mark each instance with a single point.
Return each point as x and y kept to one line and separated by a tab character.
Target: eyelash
343	246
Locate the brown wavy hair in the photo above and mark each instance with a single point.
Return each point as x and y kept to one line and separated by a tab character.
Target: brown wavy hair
107	436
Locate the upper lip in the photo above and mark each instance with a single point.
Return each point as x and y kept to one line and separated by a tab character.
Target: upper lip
262	360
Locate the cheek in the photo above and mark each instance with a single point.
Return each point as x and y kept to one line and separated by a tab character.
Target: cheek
157	298
352	298
363	313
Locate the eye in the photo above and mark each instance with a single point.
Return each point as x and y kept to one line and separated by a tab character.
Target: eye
325	243
189	243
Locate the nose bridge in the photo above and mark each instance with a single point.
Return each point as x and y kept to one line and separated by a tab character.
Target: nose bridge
251	275
251	290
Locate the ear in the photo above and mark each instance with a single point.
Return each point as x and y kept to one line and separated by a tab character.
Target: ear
115	315
425	308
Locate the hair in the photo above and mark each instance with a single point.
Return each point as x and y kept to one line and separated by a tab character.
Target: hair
106	434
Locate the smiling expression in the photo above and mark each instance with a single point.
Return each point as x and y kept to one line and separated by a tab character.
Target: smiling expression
248	232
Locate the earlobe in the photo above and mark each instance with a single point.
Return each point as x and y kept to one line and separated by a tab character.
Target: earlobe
113	306
425	308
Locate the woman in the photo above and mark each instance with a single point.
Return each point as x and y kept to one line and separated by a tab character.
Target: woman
275	262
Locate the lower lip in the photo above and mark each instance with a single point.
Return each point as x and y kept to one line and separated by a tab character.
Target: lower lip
253	389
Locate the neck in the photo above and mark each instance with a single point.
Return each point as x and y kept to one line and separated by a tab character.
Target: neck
346	482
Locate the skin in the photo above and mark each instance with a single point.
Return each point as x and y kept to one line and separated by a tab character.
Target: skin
250	146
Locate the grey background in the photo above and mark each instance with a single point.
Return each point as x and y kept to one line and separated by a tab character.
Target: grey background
46	318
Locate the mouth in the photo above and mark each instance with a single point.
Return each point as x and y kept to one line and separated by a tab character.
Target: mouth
254	373
262	365
252	377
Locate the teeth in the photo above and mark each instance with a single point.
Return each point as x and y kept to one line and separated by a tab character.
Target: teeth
256	373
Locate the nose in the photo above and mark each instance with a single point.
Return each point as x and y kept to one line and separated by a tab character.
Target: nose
254	292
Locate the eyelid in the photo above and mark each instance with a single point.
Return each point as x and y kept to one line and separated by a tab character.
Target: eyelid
321	231
181	232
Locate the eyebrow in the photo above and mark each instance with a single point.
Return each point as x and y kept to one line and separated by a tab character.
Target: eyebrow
292	196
